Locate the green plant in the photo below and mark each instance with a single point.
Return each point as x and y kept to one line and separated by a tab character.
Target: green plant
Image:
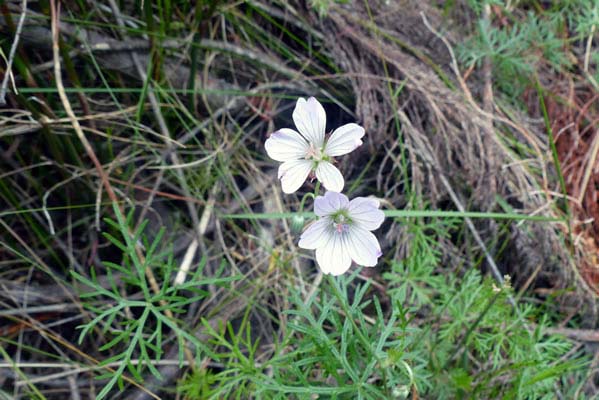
516	51
413	280
443	337
425	324
138	327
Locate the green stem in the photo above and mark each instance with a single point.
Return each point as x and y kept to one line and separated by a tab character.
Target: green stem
404	214
348	314
464	340
316	188
301	207
347	311
311	195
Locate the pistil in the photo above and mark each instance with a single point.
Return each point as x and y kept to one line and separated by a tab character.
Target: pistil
341	222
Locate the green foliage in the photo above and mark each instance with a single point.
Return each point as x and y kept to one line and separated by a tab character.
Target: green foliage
137	327
338	353
413	279
199	384
438	336
478	5
322	6
583	16
521	41
428	330
517	50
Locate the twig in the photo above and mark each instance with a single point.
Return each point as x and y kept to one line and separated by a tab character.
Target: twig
38	309
55	9
494	269
11	55
78	368
73	387
47	193
587	54
33	324
589	169
38	261
487	130
582	335
19	353
487	70
191	250
74	369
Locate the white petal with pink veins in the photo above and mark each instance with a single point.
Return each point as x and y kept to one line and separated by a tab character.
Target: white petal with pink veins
315	235
333	258
285	145
293	174
311	120
342	234
365	212
330	176
363	247
330	203
344	139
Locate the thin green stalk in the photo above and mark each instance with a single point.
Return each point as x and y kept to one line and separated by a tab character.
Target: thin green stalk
464	340
348	314
404	214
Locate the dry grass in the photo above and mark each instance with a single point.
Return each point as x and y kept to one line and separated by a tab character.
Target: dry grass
437	138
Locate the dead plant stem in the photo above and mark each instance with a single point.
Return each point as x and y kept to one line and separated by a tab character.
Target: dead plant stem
11	55
55	9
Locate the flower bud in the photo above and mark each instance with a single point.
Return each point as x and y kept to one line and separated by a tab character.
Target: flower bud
297	223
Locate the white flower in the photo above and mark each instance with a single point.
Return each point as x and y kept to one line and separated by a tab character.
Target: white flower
307	151
342	233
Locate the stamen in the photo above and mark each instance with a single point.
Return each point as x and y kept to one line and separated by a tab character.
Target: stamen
313	153
340	227
341	222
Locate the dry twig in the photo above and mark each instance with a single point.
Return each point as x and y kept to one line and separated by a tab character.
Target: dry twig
11	55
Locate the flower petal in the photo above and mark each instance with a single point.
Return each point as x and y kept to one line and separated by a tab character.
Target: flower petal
330	176
333	258
363	246
365	213
316	235
344	139
330	203
293	174
311	120
286	144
